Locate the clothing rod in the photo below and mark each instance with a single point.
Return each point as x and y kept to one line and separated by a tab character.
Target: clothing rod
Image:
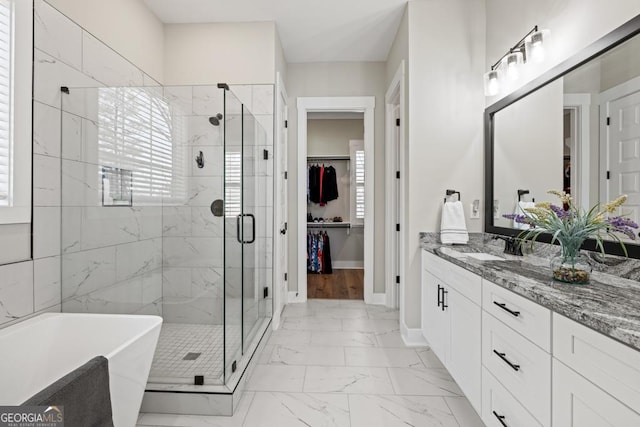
328	225
311	159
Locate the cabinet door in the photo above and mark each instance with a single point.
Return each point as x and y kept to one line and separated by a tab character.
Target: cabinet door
579	403
435	326
463	360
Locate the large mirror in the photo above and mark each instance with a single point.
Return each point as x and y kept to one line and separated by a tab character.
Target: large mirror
576	128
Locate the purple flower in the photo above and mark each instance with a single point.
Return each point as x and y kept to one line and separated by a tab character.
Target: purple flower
560	212
621	221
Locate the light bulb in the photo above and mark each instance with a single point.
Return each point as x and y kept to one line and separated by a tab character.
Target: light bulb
492	83
537	46
512	65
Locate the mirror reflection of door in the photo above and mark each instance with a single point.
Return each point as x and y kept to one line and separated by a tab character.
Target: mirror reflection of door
623	152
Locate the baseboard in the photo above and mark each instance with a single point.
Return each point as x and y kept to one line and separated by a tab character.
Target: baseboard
294	297
412	337
379	299
347	265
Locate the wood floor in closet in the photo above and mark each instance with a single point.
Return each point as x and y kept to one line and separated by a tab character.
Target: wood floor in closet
342	284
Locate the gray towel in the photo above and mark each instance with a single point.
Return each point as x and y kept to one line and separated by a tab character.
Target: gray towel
84	393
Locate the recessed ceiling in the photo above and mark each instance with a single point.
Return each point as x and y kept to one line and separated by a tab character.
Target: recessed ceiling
311	31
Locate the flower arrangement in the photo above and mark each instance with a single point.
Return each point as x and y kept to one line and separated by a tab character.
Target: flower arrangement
570	226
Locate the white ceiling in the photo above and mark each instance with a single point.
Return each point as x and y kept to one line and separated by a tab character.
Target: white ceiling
311	31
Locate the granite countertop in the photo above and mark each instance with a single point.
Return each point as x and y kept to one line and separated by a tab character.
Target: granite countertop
609	304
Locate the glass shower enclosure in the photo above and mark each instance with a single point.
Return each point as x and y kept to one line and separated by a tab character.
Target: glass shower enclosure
165	212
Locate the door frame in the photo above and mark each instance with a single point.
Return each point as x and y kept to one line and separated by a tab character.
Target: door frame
581	104
280	286
604	100
359	104
395	96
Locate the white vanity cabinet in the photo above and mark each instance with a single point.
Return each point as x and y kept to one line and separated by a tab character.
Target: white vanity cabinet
451	317
596	380
520	364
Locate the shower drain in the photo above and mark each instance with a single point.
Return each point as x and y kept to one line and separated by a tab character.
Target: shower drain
191	356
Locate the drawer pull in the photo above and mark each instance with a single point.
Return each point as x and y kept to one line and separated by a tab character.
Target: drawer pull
440	288
505	308
503	357
500	418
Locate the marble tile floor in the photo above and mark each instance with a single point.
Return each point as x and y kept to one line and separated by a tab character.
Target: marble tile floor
341	363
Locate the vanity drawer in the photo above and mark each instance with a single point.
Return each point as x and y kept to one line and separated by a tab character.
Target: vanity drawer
613	366
463	281
523	368
526	317
498	402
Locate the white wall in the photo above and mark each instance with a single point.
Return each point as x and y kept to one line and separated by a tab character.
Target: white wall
337	79
127	26
233	53
446	100
574	24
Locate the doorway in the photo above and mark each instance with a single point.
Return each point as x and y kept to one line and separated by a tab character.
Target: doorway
335	205
353	166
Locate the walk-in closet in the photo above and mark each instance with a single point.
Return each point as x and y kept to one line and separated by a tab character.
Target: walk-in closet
335	205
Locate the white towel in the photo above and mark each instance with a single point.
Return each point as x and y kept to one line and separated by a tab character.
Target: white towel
520	207
453	229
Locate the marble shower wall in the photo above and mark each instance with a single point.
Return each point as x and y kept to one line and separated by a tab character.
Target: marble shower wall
192	237
107	260
64	55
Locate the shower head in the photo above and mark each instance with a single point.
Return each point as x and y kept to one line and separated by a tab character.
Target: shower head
216	119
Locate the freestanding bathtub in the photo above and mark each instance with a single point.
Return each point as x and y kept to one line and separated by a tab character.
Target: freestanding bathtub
40	350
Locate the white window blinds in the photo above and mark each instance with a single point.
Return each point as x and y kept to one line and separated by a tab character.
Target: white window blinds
356	149
232	184
136	132
6	102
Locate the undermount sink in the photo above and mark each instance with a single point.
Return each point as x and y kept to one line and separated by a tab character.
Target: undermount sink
481	256
484	257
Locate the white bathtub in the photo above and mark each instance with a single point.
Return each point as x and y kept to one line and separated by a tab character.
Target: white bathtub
38	351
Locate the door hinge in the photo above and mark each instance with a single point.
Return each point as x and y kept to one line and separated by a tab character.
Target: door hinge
608	121
397	227
286	276
608	174
286	174
286	124
397	279
397	174
397	122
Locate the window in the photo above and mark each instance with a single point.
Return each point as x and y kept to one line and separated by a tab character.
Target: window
232	183
136	132
356	149
16	46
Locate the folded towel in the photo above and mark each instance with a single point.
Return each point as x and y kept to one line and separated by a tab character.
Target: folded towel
84	393
520	207
453	228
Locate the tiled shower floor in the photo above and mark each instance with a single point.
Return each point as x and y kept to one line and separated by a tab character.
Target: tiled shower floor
175	359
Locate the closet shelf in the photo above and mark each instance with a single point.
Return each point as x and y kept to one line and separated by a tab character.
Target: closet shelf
328	225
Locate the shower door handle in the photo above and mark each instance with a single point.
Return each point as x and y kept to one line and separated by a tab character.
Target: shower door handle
253	228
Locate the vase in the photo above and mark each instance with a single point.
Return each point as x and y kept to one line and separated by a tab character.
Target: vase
572	268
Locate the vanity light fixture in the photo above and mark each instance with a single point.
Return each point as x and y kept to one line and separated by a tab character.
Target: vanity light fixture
531	46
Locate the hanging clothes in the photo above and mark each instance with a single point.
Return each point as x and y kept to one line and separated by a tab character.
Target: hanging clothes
329	185
318	253
322	184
